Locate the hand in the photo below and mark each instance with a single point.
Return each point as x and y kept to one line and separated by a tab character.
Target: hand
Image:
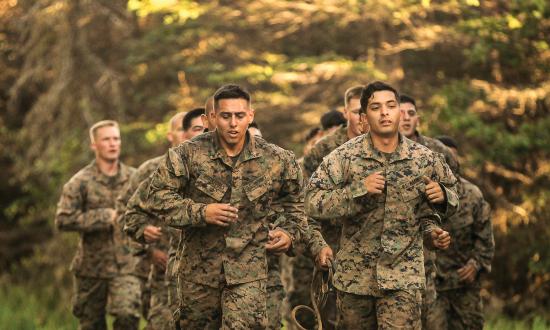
114	214
323	257
375	183
433	191
152	234
441	238
221	214
467	273
279	242
159	259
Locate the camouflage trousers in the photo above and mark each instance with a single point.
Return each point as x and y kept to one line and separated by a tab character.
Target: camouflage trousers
119	296
160	316
429	296
241	306
397	309
275	297
459	309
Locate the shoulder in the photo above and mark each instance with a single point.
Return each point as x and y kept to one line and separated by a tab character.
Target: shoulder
418	149
273	150
150	165
127	170
81	178
471	189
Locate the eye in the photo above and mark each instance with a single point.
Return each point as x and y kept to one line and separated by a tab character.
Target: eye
241	115
226	116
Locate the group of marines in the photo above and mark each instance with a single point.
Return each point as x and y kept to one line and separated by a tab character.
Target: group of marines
209	235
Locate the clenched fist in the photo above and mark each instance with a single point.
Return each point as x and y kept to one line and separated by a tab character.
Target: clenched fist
221	214
375	183
433	191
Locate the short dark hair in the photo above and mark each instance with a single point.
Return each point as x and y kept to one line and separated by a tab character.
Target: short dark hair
230	91
351	93
403	98
332	118
312	133
448	141
186	121
373	87
254	125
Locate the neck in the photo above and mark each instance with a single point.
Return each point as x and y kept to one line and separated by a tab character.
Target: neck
350	133
233	150
414	136
386	144
107	167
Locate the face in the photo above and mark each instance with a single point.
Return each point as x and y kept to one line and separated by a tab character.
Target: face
195	129
176	135
232	118
409	119
107	143
355	126
382	114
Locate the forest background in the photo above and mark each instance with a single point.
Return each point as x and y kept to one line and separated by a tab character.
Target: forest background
479	69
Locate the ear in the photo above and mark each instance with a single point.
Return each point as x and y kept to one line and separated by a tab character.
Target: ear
251	116
346	113
93	146
204	120
169	137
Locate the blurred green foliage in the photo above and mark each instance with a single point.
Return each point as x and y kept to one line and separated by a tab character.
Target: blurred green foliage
479	70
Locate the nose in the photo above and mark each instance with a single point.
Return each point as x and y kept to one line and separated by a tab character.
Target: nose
233	121
384	111
405	115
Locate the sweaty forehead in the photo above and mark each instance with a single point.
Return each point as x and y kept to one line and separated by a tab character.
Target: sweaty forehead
233	105
383	97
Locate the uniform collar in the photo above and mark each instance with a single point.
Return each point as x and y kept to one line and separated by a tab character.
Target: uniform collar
402	152
250	149
123	173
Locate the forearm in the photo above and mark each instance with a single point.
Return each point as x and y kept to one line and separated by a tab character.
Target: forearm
89	221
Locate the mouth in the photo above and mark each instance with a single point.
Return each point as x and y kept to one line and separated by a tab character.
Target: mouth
233	133
406	126
385	123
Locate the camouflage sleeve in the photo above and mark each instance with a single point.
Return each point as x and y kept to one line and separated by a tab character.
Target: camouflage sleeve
327	197
428	222
448	183
290	201
484	240
72	216
313	239
311	162
162	198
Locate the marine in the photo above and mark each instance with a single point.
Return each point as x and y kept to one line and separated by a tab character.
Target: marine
389	193
461	267
236	199
104	265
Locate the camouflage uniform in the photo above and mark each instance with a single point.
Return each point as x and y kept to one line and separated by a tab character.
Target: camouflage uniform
429	295
160	316
380	266
459	303
223	270
104	266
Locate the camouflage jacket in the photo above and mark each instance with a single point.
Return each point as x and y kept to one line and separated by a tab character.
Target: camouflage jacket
322	148
86	206
472	238
330	230
134	228
381	245
264	184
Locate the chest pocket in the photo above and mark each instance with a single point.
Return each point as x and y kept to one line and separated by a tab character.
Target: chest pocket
212	188
258	194
411	190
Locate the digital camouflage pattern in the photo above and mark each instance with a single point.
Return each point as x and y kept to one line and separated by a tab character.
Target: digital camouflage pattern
86	206
160	316
381	247
104	265
275	292
429	295
399	309
264	184
459	303
330	229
